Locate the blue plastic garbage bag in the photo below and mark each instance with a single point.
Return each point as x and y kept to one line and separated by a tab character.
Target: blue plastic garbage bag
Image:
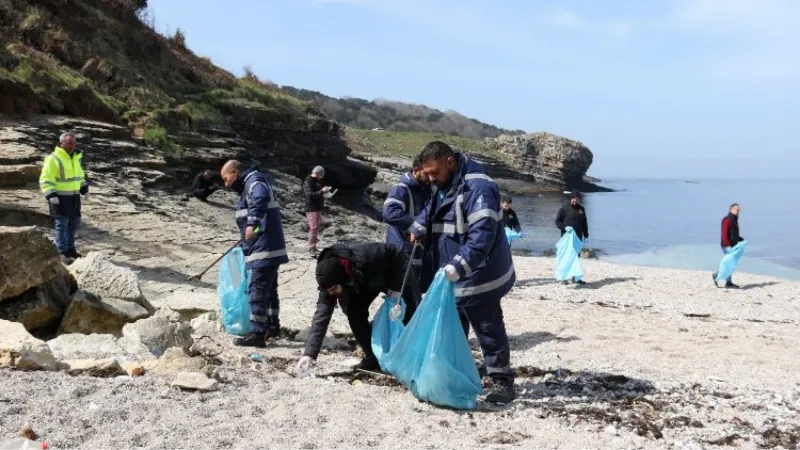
232	281
385	331
729	262
568	250
512	235
432	358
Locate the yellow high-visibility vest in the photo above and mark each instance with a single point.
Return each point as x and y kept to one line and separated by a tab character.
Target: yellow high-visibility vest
62	174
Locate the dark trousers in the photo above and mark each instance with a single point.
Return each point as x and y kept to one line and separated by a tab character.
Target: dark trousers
66	228
358	313
202	194
263	295
487	321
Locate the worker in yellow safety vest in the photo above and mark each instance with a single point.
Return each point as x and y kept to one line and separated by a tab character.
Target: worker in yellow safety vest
63	183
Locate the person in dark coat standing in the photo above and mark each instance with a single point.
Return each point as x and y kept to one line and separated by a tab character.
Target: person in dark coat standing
510	218
316	194
573	215
205	184
462	225
729	237
259	218
352	276
405	200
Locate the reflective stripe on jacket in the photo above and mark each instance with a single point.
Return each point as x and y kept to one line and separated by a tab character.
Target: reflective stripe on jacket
62	175
406	199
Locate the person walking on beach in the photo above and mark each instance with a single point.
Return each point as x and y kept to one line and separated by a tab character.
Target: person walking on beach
462	227
730	237
406	199
510	218
573	214
316	194
259	218
352	276
63	183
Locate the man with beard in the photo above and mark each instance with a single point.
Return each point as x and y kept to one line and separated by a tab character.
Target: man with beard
462	225
406	199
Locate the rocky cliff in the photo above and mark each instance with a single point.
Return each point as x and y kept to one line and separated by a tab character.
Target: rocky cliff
545	159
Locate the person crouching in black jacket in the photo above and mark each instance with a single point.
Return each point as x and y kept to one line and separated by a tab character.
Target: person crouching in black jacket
353	276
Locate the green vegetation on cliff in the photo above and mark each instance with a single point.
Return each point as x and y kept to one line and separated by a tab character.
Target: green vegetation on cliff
102	59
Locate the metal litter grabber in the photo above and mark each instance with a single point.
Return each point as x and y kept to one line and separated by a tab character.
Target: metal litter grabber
199	275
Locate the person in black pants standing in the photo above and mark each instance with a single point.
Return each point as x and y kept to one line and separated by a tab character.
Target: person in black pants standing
352	276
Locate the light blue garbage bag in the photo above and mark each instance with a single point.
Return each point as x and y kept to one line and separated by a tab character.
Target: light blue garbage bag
385	331
729	262
568	250
432	358
232	281
512	235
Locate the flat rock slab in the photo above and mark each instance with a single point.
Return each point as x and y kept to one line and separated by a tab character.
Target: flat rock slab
29	258
18	175
174	361
194	381
155	335
95	367
96	273
85	346
20	350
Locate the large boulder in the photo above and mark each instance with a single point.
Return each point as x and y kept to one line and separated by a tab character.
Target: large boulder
548	158
40	307
27	259
97	274
155	335
20	350
88	313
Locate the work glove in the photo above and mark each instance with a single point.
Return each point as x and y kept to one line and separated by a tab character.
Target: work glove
327	195
53	200
304	364
326	188
394	295
451	272
585	240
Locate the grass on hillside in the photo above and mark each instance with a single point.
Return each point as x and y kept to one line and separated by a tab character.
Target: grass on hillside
407	143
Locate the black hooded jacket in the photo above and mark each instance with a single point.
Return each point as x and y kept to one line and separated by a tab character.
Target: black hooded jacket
376	267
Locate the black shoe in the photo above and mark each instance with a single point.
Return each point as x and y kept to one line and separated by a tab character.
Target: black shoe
272	333
714	278
72	253
370	364
581	282
500	392
66	260
481	369
251	340
565	282
730	285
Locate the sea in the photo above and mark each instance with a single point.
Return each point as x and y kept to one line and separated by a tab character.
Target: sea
676	223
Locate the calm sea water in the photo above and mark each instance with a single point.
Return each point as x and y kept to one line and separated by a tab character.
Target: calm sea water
677	224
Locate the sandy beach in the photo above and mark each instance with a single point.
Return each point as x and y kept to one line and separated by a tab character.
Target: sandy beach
637	358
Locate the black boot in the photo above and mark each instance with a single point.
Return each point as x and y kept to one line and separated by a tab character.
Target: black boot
501	392
72	253
729	285
251	340
272	333
370	364
66	259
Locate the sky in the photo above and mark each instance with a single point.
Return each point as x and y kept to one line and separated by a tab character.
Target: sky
700	89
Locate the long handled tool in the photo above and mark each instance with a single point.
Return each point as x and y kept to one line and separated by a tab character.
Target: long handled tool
408	268
199	275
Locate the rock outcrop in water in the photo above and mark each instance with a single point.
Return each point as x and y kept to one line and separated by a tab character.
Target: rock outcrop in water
547	159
